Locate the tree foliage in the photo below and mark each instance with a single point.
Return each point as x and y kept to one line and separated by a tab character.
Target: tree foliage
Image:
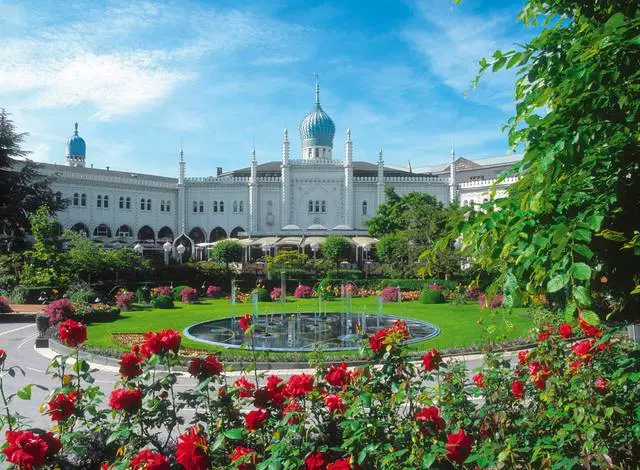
569	226
336	249
227	251
22	188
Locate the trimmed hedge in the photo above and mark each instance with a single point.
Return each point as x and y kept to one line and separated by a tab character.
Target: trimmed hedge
431	296
176	292
162	301
263	294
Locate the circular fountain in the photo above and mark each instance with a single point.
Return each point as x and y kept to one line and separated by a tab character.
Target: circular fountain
331	331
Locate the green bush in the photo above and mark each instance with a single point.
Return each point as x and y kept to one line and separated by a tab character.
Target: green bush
81	293
162	301
431	296
263	294
346	274
176	293
143	294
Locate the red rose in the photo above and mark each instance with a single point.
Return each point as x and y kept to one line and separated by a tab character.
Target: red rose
271	394
127	400
575	365
130	366
246	456
62	406
539	374
601	384
292	409
192	451
3	356
334	403
517	388
432	360
205	368
565	331
340	464
298	385
245	321
27	449
588	329
523	357
377	339
149	460
72	333
583	349
315	461
254	419
478	379
458	446
160	343
338	376
430	420
245	388
543	336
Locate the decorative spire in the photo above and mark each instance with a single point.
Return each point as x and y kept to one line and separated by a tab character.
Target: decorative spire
286	135
348	135
317	91
380	158
181	152
453	153
75	132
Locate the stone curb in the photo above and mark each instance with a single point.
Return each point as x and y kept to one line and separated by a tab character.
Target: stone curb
17	317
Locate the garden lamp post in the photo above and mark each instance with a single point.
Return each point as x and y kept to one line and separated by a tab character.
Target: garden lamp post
315	246
138	249
180	249
167	250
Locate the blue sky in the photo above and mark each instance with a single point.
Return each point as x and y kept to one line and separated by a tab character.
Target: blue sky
139	77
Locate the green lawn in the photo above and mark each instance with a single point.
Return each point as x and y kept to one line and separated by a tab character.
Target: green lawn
458	323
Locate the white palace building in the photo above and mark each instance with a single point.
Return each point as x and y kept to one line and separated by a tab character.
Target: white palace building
295	201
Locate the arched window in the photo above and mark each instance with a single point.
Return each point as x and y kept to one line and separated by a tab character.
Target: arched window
168	207
148	204
142	204
235	206
364	207
310	206
324	207
221	206
121	202
195	206
106	202
162	205
99	201
215	206
241	206
83	199
75	199
317	206
59	197
201	206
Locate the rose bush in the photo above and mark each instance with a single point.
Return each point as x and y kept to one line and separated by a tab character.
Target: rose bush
124	300
569	403
59	310
303	292
188	295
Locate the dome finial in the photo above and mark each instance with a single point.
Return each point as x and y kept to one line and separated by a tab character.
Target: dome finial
317	90
75	132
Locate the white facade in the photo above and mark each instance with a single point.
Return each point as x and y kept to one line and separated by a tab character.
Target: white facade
315	194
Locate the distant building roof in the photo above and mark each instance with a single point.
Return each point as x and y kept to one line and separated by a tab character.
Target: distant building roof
359	169
463	163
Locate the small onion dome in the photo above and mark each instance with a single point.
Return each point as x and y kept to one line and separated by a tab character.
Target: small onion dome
317	129
76	146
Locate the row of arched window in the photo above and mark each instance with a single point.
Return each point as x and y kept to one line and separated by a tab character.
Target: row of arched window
123	203
165	206
218	206
79	199
102	201
319	207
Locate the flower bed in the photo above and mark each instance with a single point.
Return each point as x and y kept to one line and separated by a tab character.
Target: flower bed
569	400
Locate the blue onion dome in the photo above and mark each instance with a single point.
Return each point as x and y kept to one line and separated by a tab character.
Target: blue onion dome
317	128
76	146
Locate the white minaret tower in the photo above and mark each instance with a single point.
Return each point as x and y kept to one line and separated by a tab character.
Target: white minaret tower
286	181
253	193
453	189
182	203
380	184
348	181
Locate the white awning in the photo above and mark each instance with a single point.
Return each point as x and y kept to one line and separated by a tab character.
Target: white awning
365	242
316	227
289	241
308	241
265	241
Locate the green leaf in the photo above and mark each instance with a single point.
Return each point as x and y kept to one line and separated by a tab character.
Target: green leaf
581	271
582	235
590	317
25	392
234	433
583	250
569	312
581	294
557	282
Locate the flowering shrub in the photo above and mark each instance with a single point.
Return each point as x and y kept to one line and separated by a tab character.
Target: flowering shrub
188	295
4	305
473	292
214	292
59	310
564	404
303	292
390	294
162	291
276	293
351	288
124	300
493	302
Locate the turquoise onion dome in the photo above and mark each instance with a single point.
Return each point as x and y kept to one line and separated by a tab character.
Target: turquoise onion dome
317	129
76	146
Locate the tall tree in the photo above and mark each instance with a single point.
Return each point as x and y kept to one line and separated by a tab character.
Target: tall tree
570	225
336	249
22	188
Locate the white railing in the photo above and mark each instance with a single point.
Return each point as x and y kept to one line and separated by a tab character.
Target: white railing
217	179
414	179
487	183
316	162
134	179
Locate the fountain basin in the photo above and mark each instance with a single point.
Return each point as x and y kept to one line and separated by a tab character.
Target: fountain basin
304	332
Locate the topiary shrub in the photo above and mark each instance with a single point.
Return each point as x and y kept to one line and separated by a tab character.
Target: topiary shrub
431	296
176	292
4	305
162	301
262	293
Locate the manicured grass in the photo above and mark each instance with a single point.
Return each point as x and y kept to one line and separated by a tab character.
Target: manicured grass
458	323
